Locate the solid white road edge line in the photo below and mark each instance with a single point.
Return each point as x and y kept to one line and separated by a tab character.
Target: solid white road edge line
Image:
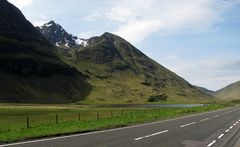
147	136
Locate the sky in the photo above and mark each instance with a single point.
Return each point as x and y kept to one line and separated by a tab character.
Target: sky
197	39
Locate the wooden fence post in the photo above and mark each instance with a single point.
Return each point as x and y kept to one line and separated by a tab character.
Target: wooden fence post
27	122
56	118
97	116
79	116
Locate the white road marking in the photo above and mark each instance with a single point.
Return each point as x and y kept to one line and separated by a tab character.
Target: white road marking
204	119
220	136
110	130
147	136
231	127
215	115
210	144
136	139
234	124
227	130
187	124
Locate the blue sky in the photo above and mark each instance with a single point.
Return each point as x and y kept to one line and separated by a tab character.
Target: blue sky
197	39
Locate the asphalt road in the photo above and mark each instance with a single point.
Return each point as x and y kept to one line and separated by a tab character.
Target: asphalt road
213	129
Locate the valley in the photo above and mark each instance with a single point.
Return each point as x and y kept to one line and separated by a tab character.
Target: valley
58	88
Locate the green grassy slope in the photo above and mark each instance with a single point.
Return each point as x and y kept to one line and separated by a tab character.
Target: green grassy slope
230	92
30	71
205	90
74	119
120	73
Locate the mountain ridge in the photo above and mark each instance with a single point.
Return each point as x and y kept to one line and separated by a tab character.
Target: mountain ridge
30	69
109	60
48	65
205	90
230	92
59	36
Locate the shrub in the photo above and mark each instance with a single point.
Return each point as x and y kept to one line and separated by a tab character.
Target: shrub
157	98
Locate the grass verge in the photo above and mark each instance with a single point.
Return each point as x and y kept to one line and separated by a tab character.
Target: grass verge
45	121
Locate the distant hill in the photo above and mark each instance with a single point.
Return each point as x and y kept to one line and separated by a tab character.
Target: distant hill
229	92
119	72
205	90
30	70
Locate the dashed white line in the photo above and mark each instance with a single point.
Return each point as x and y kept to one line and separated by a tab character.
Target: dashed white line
204	119
220	136
187	124
139	138
147	136
210	144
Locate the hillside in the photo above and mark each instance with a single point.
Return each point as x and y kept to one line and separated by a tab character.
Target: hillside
30	70
205	90
119	72
229	92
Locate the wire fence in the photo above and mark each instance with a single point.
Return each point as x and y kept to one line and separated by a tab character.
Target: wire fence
28	120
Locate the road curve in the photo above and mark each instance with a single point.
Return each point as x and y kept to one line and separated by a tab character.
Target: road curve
217	128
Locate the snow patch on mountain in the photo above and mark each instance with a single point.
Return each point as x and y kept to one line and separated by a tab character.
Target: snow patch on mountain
80	41
59	37
48	25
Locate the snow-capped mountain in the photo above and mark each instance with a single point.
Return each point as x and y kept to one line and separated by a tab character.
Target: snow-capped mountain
60	37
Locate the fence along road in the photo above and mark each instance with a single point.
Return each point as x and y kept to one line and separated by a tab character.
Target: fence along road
206	129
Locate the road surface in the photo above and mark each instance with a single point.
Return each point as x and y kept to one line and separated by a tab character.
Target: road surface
213	129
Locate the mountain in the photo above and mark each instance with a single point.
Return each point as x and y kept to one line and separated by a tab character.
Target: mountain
119	72
229	92
205	90
30	70
59	37
114	55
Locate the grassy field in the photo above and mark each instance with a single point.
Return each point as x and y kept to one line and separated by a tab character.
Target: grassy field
53	120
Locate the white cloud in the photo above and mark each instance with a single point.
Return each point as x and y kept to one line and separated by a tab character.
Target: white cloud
21	3
211	73
86	35
138	19
171	57
39	22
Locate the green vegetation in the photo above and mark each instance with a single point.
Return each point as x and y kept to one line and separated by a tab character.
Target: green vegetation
120	73
49	120
30	71
157	98
108	70
231	92
205	90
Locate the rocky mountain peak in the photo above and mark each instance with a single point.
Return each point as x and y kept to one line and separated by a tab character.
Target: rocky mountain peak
58	36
